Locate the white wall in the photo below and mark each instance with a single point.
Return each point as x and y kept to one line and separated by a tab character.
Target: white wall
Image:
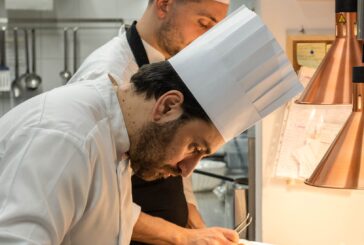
284	16
295	214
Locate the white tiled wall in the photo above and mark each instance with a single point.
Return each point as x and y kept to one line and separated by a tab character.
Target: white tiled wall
50	44
127	9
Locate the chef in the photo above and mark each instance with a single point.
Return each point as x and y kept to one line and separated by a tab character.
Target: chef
165	28
67	156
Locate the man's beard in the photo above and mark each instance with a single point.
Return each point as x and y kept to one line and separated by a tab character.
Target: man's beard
169	38
148	155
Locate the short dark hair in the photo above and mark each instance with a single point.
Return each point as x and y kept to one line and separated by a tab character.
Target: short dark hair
156	79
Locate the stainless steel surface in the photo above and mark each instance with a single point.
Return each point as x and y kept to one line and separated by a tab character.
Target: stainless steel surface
65	74
252	183
2	47
64	20
26	50
236	205
240	211
331	83
229	176
15	87
23	77
212	209
343	164
236	154
360	21
60	24
75	49
33	80
5	81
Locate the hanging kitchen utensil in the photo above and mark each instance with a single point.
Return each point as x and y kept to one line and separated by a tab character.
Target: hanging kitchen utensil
23	77
5	81
75	49
65	74
15	87
33	81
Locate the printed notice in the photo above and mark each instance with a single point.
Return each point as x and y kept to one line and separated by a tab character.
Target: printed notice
310	54
307	133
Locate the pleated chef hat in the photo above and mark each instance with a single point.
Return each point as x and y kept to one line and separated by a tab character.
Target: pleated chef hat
237	72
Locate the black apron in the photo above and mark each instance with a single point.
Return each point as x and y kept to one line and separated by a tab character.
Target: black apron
163	198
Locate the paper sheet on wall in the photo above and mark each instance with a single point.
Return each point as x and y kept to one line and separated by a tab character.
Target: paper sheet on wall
310	54
307	133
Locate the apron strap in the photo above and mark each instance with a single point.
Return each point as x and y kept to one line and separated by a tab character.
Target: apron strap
136	45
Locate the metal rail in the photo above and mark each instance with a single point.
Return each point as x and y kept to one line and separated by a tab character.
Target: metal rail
63	20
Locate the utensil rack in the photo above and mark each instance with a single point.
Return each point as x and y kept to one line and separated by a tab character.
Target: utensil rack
45	26
53	23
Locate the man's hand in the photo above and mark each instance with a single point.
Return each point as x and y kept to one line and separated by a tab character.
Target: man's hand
154	230
208	236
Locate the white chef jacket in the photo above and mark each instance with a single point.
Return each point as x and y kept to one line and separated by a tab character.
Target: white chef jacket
63	177
116	57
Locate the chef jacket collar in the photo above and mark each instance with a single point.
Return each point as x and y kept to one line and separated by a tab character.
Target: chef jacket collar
153	54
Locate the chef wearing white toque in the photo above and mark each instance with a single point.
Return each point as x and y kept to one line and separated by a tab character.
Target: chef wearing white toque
165	28
65	174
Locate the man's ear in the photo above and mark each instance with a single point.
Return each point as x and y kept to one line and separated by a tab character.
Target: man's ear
168	107
163	7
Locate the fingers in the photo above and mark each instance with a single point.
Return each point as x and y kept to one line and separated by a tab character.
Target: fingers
230	235
212	236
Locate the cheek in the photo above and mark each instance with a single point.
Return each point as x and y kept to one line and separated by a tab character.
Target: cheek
174	154
191	33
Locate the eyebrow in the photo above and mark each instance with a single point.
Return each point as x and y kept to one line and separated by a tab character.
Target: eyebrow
208	16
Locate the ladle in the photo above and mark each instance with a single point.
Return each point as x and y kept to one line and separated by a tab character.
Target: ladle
33	81
15	88
75	49
65	74
22	78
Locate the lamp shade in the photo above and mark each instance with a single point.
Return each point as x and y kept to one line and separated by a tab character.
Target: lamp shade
331	83
343	164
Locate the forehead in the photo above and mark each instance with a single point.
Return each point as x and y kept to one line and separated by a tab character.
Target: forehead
208	8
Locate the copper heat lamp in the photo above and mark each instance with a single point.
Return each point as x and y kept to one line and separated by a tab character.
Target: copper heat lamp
331	83
343	164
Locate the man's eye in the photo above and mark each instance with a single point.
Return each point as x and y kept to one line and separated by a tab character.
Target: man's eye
197	150
204	24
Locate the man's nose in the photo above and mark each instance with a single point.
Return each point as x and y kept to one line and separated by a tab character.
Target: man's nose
188	165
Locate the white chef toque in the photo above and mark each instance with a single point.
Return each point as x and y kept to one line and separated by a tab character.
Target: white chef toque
237	72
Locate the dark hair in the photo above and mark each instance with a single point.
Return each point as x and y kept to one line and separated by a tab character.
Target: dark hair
156	79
